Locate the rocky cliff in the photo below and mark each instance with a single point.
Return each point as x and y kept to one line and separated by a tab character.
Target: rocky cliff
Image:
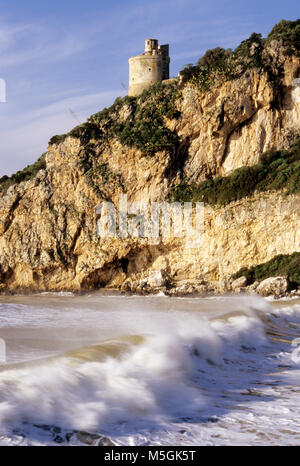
173	134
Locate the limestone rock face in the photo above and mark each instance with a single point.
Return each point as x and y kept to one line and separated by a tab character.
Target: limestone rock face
48	238
156	279
233	124
276	286
239	283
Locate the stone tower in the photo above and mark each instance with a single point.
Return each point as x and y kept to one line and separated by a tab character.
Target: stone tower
151	67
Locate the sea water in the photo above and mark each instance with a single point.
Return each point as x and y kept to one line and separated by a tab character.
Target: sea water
149	370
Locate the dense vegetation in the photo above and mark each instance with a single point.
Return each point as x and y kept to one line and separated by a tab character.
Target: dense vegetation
289	33
102	179
136	122
282	265
84	132
275	170
144	127
218	65
24	175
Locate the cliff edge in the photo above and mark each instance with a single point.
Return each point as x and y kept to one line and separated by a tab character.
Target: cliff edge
224	133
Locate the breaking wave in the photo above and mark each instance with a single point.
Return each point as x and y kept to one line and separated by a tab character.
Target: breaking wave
183	368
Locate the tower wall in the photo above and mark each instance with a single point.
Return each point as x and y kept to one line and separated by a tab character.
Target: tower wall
150	45
165	60
144	70
149	68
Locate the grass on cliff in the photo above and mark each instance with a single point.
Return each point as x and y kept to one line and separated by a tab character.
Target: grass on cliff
143	128
282	265
24	175
137	122
219	65
276	170
289	33
84	132
102	179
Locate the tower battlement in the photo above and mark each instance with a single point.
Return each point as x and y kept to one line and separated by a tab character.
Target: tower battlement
150	67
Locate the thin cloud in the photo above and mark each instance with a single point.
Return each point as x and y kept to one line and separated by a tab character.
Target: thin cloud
33	129
59	62
21	44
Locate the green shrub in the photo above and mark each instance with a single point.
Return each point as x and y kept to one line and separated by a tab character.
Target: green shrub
84	132
214	67
144	128
107	113
249	46
282	265
218	65
289	33
24	175
214	58
102	179
276	170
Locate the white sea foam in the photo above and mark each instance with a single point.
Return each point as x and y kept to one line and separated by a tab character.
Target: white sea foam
218	370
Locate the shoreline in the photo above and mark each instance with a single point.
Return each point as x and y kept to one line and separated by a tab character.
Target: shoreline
157	293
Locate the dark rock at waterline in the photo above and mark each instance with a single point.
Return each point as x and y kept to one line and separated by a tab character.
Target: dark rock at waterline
94	439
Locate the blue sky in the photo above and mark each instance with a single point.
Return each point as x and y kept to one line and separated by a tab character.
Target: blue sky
64	60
